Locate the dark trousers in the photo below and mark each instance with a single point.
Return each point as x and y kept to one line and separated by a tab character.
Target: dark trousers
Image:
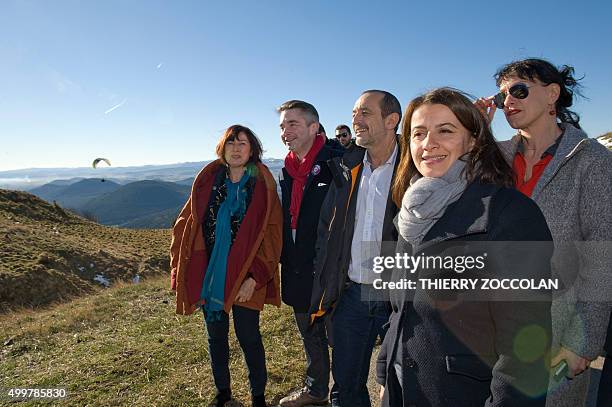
604	396
246	325
356	323
316	347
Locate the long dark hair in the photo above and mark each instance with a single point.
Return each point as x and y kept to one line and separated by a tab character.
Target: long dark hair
547	73
485	161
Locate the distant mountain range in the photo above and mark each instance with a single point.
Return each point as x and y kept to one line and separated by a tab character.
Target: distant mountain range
139	201
28	179
74	195
132	197
139	204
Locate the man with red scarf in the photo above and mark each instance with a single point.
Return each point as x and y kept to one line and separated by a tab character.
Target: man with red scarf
304	182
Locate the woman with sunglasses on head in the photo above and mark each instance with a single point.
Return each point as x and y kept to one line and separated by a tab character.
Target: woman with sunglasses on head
462	347
226	245
569	176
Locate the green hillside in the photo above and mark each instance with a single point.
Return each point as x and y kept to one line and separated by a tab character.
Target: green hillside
76	194
136	200
161	219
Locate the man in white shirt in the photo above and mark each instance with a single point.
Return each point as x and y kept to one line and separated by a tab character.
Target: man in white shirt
356	222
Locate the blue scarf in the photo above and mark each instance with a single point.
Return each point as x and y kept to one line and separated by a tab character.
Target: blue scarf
213	288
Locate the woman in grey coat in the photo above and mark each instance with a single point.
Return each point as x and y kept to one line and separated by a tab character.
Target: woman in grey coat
569	176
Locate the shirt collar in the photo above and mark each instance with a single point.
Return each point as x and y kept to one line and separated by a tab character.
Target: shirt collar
549	151
390	160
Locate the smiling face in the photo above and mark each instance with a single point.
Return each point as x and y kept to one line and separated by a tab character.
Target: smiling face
237	152
437	139
524	113
295	131
368	122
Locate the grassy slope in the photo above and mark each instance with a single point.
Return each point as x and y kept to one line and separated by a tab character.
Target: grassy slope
126	346
118	346
47	254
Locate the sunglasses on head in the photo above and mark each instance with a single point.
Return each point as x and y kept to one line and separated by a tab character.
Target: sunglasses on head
341	135
518	91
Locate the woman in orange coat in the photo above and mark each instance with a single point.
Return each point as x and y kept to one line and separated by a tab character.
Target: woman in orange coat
226	245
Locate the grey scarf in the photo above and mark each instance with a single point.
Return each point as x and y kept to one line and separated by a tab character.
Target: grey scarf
426	200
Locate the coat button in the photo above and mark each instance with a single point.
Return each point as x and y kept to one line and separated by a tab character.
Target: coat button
409	362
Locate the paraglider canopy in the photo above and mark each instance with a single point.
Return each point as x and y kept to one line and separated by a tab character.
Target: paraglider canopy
97	161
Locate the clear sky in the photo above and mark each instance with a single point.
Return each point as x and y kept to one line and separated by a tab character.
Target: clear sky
157	82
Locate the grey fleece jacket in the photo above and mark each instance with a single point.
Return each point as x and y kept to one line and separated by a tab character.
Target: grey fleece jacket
575	195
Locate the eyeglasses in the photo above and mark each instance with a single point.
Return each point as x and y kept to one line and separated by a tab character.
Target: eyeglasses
519	91
342	135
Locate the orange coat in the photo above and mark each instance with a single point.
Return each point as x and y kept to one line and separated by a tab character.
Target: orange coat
259	241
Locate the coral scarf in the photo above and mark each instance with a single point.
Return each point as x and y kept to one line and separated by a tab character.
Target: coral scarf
299	172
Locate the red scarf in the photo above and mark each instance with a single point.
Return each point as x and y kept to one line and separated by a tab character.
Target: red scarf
299	172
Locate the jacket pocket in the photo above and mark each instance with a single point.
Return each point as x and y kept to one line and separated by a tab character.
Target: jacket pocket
194	276
471	366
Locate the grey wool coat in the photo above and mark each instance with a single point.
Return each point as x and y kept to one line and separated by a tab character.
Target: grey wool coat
575	196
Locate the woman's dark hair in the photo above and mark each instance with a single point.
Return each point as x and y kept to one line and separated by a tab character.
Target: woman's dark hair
231	134
547	73
484	162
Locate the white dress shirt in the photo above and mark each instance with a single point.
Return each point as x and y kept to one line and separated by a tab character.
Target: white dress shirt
369	218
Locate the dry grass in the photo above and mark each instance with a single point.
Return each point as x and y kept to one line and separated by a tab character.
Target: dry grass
118	346
125	346
49	255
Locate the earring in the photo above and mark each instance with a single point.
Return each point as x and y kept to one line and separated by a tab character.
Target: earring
552	111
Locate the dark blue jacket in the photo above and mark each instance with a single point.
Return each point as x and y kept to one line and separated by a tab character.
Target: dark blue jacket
336	227
459	352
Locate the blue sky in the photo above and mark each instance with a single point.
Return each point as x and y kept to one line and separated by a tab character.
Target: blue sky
177	73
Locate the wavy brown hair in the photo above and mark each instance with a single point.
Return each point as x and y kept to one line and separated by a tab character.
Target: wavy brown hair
485	161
